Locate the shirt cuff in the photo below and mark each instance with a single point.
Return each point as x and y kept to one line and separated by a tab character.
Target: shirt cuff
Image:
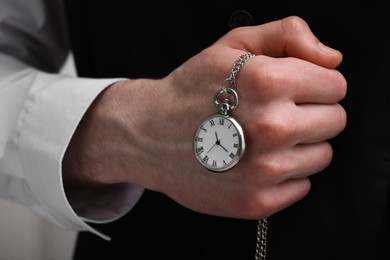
52	113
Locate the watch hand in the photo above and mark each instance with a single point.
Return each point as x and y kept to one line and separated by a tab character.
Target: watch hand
218	142
223	147
211	147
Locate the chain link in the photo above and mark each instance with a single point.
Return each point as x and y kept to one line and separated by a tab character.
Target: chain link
236	68
261	243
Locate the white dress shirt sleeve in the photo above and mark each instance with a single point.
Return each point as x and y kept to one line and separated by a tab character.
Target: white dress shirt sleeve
39	112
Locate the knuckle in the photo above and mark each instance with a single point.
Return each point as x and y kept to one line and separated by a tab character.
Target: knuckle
320	159
272	78
275	129
265	202
256	204
293	24
272	167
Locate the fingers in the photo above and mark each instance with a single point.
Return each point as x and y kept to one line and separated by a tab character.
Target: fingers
319	122
293	101
280	126
282	177
289	37
297	162
267	200
293	79
284	195
280	186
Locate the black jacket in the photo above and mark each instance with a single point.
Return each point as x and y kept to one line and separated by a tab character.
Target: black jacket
346	215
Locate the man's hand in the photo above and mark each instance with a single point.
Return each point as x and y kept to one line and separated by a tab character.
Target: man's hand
140	131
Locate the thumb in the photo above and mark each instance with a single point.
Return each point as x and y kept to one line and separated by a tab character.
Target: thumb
288	37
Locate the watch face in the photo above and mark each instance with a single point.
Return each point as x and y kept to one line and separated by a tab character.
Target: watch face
218	143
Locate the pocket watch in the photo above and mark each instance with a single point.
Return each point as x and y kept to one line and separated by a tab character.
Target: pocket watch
219	142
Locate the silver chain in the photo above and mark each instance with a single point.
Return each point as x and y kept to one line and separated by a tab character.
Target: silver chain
225	105
261	242
236	68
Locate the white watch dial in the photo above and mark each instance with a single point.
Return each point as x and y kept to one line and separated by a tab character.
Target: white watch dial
218	143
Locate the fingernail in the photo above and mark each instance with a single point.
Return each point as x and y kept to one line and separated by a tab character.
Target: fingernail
327	49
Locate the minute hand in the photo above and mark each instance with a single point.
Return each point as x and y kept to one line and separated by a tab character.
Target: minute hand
223	147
